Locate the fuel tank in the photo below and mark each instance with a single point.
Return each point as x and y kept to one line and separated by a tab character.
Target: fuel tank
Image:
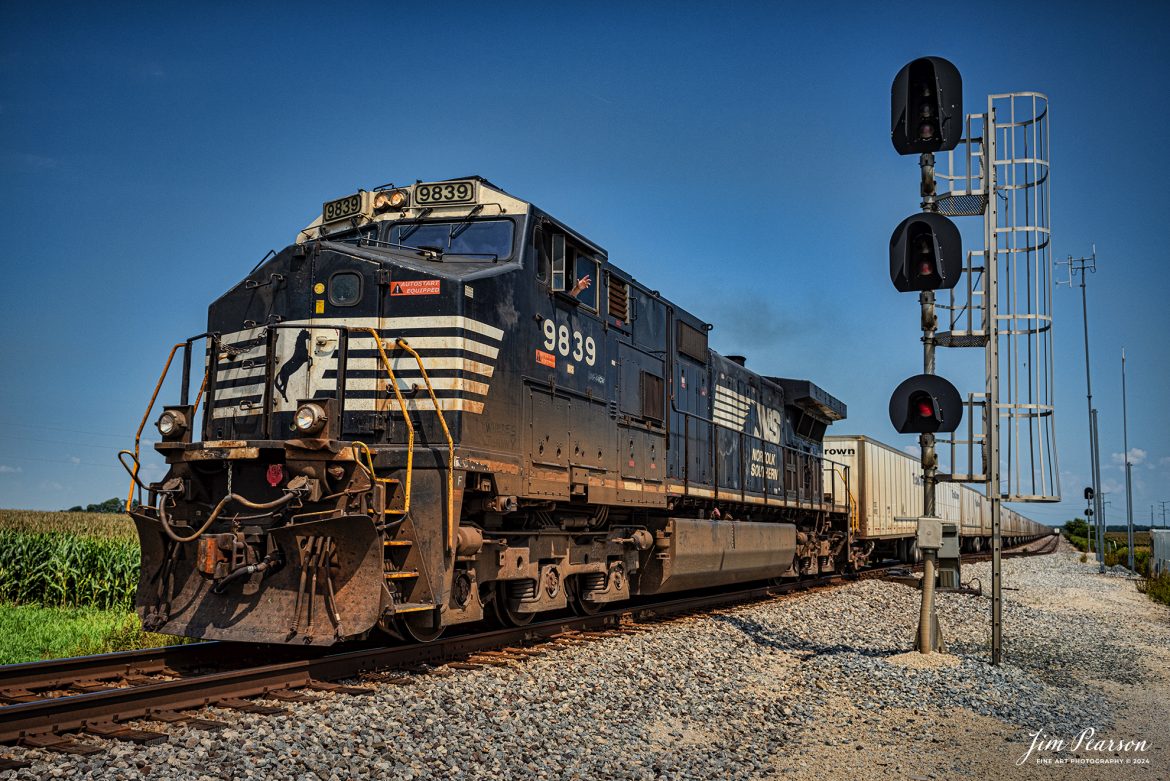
691	553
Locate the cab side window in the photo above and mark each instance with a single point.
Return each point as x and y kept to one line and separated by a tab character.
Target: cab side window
573	271
585	281
559	260
540	250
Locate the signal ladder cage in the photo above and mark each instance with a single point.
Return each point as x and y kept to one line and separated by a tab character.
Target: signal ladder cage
1015	260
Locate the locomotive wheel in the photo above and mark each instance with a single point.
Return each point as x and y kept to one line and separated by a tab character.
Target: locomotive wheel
578	604
504	615
419	627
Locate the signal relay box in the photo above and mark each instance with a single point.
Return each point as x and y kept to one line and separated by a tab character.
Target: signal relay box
930	533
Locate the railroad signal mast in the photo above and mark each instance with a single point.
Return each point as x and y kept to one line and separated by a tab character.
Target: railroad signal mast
926	254
997	168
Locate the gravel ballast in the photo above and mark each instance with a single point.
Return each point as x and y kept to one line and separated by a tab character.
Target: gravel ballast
814	686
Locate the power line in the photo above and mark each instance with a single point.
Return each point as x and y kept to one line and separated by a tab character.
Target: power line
123	436
78	462
111	448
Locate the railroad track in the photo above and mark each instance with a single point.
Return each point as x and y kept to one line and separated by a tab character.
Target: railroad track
41	702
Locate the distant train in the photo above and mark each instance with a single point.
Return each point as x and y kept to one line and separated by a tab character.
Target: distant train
886	484
441	405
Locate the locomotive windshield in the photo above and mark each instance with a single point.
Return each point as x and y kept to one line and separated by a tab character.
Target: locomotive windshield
489	239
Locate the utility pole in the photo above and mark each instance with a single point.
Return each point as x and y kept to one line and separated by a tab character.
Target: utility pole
1105	539
1128	465
1096	455
1164	502
1084	266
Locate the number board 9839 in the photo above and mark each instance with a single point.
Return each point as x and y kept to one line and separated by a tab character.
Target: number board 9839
444	192
348	206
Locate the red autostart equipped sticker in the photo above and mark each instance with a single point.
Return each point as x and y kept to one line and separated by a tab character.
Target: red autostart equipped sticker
546	359
415	287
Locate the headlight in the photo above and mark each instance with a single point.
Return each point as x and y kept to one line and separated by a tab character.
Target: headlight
171	424
310	418
391	200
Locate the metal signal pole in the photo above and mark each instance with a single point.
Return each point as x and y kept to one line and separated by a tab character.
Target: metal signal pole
929	633
1164	502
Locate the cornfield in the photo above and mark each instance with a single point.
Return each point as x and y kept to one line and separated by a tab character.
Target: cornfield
99	525
61	569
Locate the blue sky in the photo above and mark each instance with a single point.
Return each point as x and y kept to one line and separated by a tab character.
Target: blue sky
735	157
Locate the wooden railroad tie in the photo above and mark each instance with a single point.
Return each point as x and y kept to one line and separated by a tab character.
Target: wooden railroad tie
13	764
244	706
191	722
109	729
61	744
337	688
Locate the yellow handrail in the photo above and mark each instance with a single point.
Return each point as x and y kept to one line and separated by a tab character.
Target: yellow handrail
405	415
853	524
450	444
142	425
385	480
146	416
199	395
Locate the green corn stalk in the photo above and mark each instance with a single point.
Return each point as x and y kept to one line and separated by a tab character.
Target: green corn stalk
64	570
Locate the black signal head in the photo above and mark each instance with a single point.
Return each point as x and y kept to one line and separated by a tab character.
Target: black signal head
926	404
926	253
926	107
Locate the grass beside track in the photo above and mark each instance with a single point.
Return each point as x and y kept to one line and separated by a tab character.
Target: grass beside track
1157	589
29	633
67	582
1116	551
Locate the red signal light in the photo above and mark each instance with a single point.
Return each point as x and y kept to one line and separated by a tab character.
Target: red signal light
925	250
925	253
925	404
